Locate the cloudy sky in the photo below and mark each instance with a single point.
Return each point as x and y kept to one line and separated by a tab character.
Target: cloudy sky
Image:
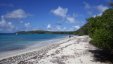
54	15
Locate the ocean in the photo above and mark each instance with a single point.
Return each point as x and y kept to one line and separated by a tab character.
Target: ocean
12	42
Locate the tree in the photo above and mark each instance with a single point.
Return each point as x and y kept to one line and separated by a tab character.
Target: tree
100	29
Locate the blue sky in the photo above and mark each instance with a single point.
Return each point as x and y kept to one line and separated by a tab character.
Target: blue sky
53	15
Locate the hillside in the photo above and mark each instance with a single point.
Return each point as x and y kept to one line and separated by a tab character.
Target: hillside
100	29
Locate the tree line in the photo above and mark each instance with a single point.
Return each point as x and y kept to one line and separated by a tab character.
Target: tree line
100	29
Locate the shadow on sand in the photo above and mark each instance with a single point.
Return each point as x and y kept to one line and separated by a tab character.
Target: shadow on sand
102	55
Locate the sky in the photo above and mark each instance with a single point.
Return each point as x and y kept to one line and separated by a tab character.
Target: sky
51	15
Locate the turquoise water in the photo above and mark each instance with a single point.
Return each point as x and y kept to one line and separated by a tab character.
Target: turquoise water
10	42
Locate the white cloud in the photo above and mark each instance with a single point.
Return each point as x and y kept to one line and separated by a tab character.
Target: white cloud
87	6
76	27
27	24
58	28
64	28
60	11
17	14
49	26
6	26
98	8
97	15
63	13
102	8
71	19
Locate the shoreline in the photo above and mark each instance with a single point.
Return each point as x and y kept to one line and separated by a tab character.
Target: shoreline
73	50
25	53
34	47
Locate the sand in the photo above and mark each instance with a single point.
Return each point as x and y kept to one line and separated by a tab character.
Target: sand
74	50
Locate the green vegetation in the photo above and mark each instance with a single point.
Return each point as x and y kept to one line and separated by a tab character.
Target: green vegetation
83	30
100	29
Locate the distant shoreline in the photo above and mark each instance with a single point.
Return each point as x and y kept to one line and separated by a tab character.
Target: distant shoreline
12	42
31	51
68	51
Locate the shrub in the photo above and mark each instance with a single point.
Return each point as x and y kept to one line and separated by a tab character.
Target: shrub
100	29
102	38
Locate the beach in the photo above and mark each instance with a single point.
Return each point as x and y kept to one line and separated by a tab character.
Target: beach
70	50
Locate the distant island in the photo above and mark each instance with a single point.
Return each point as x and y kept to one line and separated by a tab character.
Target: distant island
45	32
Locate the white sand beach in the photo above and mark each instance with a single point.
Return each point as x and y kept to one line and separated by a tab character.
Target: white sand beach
35	47
73	50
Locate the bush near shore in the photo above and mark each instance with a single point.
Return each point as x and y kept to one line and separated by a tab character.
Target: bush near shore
100	29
